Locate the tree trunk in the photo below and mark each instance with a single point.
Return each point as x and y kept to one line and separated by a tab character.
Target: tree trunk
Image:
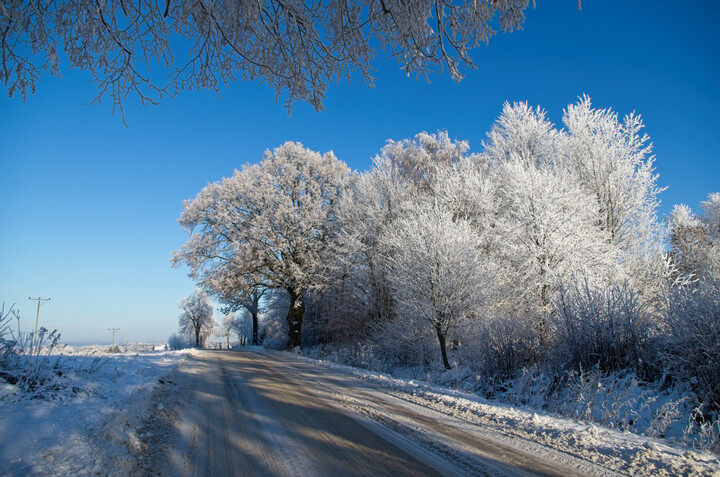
255	339
197	336
441	339
294	318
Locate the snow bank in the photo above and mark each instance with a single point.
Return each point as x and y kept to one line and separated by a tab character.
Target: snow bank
87	424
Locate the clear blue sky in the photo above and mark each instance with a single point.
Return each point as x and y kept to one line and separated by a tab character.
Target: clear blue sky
88	207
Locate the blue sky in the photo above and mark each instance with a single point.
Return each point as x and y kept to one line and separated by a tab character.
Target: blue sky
88	206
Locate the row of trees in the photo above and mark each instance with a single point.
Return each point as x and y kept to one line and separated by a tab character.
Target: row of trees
197	323
543	248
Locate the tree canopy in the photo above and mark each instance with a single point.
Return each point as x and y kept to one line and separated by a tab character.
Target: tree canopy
296	47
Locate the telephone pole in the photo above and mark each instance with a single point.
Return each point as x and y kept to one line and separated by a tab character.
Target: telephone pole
37	319
113	332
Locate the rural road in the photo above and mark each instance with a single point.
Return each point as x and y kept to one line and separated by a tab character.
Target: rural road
251	413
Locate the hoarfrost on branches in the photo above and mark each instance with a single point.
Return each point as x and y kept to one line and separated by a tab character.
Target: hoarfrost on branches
695	241
197	319
294	46
265	226
435	271
614	161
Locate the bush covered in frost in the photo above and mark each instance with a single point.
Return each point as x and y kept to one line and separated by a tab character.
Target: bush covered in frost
692	342
26	361
607	328
179	341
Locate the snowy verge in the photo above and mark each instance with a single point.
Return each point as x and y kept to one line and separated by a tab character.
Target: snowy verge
88	426
621	451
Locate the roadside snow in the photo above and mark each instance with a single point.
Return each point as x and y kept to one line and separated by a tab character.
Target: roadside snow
88	425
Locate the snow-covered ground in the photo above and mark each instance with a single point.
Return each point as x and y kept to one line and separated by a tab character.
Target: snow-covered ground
88	425
93	425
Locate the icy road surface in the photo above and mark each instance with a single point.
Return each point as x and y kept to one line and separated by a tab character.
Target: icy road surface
254	413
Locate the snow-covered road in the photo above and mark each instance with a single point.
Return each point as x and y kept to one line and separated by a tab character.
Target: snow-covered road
261	412
249	415
254	413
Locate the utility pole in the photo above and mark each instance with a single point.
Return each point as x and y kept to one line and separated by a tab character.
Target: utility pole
113	332
37	319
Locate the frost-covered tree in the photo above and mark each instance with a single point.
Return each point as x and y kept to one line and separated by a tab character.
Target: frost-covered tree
614	161
711	218
227	327
688	241
197	318
467	190
353	261
546	222
417	161
524	135
239	292
270	221
436	272
403	171
711	214
548	233
695	241
296	47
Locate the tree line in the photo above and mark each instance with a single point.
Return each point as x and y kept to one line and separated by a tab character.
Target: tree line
544	249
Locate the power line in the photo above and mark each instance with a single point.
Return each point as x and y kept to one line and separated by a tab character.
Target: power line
37	318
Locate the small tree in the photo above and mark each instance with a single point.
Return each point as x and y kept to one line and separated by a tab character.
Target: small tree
435	270
197	317
227	327
239	293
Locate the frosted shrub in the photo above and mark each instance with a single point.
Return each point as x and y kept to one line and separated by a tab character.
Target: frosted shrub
506	346
693	342
402	344
702	434
530	387
608	328
178	341
498	349
361	354
26	362
612	400
274	333
665	416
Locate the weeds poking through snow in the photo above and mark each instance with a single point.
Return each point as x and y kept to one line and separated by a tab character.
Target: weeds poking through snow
701	432
31	365
24	362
